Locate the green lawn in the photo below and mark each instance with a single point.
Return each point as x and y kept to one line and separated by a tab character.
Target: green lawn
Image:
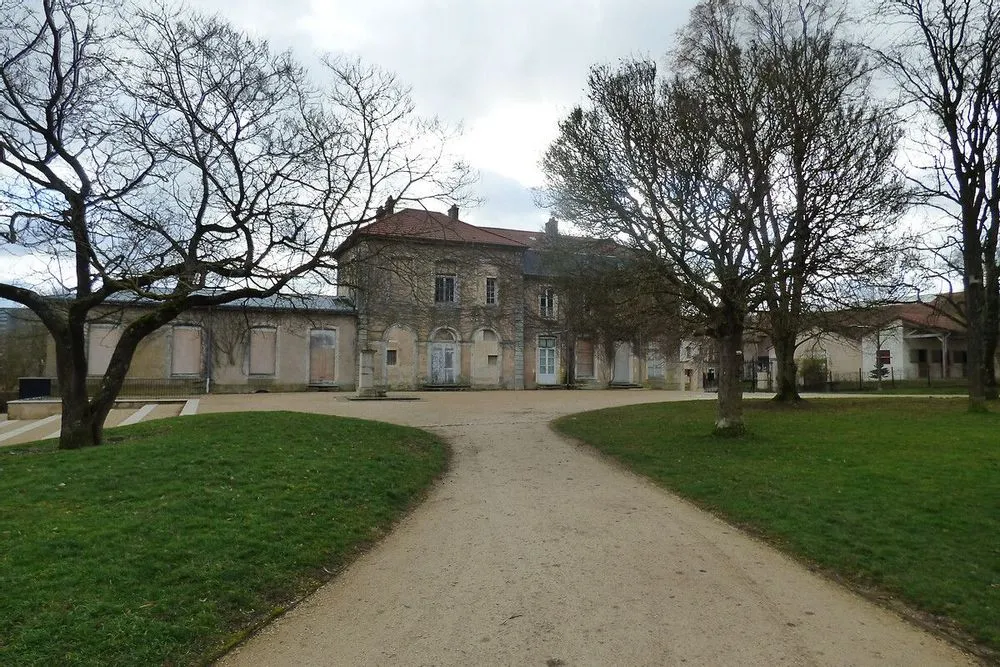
899	494
171	542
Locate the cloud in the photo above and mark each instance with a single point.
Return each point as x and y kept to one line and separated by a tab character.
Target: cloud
507	71
506	203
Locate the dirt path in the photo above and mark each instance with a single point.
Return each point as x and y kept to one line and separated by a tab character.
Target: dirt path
533	551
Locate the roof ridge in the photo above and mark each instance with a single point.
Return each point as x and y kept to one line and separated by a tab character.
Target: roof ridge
457	227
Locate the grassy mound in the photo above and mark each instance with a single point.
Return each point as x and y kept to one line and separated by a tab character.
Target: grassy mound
902	495
179	536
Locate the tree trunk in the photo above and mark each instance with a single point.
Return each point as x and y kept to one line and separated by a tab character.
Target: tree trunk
976	357
570	361
729	416
787	370
79	427
991	326
82	416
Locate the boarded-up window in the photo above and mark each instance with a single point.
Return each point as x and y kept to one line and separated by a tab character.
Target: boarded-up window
102	343
185	348
584	359
322	356
263	350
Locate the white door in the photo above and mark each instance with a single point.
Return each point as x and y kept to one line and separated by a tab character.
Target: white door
623	363
546	360
443	357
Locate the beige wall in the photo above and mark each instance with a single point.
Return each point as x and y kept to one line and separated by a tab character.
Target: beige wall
842	355
226	341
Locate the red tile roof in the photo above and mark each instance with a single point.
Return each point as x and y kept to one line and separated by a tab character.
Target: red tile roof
418	224
917	314
926	316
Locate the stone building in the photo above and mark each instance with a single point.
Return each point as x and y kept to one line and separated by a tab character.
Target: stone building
443	303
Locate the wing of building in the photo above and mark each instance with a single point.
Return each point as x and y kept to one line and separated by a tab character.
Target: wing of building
443	303
426	301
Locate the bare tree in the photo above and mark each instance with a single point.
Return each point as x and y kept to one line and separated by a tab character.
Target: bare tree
835	193
607	295
946	60
167	157
673	169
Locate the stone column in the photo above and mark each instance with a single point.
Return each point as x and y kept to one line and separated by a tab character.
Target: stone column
366	378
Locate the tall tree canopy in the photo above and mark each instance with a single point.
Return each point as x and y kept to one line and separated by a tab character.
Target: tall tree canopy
945	57
164	155
756	174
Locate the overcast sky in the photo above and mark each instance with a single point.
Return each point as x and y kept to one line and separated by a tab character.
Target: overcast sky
507	70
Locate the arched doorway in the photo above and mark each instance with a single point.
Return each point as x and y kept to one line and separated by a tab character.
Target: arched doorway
444	357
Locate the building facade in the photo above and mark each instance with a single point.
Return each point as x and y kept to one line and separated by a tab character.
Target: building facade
280	343
442	303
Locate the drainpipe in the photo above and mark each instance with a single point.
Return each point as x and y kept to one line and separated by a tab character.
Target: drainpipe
944	355
209	360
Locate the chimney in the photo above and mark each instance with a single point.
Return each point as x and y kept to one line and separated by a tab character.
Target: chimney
379	213
453	212
390	205
552	226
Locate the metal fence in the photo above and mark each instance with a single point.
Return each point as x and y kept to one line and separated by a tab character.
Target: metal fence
757	377
862	380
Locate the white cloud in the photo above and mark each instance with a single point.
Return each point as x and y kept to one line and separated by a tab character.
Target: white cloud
507	71
511	138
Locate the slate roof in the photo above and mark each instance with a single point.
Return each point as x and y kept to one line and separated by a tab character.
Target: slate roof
526	237
277	302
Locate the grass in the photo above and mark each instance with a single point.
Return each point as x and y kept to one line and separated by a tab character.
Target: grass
172	542
906	387
897	495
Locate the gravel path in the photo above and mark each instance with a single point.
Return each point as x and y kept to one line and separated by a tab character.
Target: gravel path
534	551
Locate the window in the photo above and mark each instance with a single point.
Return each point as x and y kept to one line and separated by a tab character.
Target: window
936	356
100	346
185	351
491	291
918	356
763	364
584	359
959	356
884	358
547	303
390	357
263	350
444	289
655	364
492	359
